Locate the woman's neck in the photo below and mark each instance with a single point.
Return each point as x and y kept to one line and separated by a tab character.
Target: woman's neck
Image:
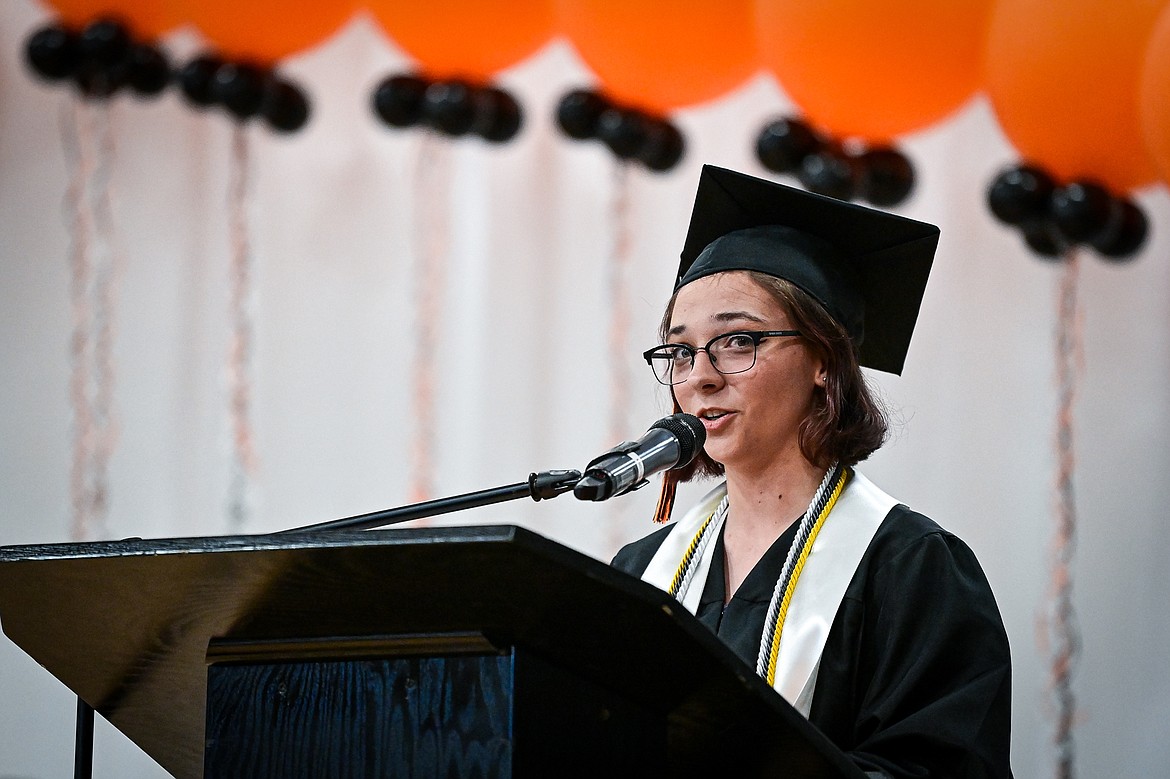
761	506
773	496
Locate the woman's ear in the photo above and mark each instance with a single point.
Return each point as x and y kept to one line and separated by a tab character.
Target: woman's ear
820	368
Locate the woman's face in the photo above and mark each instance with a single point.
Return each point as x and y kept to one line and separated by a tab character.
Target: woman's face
752	418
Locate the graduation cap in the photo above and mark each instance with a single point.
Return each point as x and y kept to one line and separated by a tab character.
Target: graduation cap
868	268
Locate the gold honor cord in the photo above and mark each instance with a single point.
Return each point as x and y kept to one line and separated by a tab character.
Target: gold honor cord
826	498
805	550
690	560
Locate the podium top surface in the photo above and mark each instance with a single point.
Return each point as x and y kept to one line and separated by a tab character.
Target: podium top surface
127	625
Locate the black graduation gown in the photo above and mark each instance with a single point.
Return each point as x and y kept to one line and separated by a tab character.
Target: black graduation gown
915	677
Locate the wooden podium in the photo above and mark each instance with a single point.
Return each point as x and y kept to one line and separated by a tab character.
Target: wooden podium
473	651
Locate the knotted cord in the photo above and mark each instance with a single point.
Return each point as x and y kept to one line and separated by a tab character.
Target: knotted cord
690	561
814	518
806	535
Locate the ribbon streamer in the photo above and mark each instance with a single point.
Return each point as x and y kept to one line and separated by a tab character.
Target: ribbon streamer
1062	631
77	140
239	361
107	271
95	261
619	328
433	185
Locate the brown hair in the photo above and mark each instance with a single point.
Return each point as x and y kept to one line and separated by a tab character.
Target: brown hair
847	423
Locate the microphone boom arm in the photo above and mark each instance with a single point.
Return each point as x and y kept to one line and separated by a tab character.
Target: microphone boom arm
540	486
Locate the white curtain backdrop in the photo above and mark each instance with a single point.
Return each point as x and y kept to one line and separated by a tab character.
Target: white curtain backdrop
526	371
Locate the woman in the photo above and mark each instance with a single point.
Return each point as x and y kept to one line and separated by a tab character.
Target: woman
874	622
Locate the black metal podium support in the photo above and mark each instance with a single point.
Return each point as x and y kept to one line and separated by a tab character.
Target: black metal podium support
83	741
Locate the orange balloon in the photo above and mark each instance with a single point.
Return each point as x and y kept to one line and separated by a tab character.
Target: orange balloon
1154	88
1063	79
146	20
874	70
263	31
661	56
465	39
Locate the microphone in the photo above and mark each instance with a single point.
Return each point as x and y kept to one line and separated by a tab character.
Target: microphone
669	443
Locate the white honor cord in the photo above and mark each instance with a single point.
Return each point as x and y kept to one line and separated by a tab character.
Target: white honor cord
815	506
711	531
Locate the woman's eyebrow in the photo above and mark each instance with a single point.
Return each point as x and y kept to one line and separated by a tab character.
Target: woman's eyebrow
724	316
733	316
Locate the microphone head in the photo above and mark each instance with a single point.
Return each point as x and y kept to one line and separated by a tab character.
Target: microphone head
689	431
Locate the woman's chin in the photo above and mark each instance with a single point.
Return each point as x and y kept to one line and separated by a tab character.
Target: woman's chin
720	454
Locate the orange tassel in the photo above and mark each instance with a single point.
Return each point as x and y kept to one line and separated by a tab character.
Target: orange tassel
669	486
666	498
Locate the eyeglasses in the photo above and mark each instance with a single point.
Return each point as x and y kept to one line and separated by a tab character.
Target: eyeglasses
729	353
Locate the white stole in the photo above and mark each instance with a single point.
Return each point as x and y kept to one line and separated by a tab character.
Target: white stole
836	553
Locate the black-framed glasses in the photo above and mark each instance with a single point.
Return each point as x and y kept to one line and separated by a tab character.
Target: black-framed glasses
729	353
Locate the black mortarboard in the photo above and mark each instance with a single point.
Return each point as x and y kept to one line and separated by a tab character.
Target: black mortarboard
867	267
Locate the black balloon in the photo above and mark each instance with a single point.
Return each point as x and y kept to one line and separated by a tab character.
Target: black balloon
398	100
829	172
239	88
100	80
285	107
1020	194
104	41
886	176
663	145
1082	210
578	113
1043	238
53	53
497	114
150	72
1125	233
623	131
195	80
447	107
783	145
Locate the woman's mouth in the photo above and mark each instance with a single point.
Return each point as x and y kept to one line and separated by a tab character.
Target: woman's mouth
712	418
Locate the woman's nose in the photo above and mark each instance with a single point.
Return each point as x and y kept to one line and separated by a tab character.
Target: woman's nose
703	372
